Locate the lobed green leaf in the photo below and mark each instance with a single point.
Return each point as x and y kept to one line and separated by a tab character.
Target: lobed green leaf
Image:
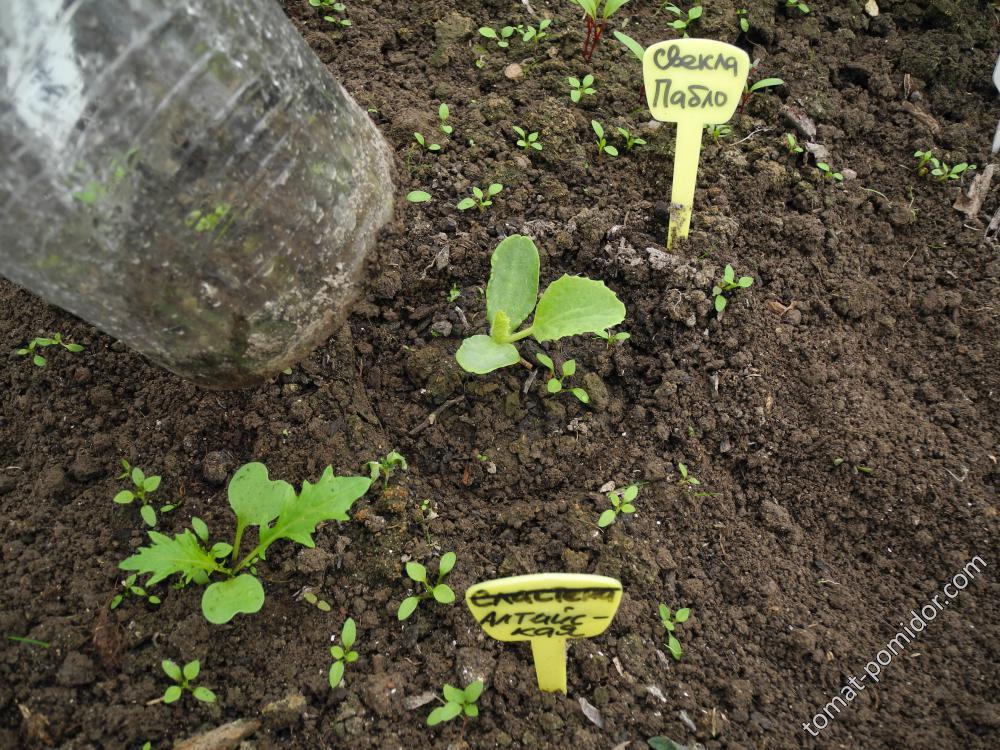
165	556
327	500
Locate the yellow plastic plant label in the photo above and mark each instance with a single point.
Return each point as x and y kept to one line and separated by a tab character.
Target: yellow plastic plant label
546	609
693	82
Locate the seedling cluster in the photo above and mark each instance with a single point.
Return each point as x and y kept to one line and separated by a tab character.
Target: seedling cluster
183	677
527	141
457	702
480	198
603	147
670	622
425	144
596	17
621	502
40	343
580	88
613	338
828	172
142	486
727	284
438	591
933	168
555	384
386	466
684	19
343	654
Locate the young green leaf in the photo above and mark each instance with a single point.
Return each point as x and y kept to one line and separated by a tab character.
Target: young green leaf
172	694
124	497
200	528
254	498
165	556
473	691
327	500
447	712
416	572
453	694
336	673
480	354
607	518
513	284
223	600
148	515
406	607
349	633
418	196
682	615
446	564
443	594
573	305
191	670
204	695
172	669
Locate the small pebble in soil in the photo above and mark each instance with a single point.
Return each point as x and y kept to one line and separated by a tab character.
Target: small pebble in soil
215	466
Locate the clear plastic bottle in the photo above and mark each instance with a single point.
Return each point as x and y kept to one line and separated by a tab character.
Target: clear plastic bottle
185	175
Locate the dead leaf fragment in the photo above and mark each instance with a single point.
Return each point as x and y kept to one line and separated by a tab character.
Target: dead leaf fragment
592	713
922	117
776	307
226	737
818	150
972	202
416	701
799	120
513	71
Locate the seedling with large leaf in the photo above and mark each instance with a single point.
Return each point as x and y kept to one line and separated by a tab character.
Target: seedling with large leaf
569	306
438	591
277	512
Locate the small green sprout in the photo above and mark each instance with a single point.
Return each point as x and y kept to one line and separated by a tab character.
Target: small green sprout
613	338
37	343
343	654
858	468
741	14
792	145
797	4
454	293
439	591
481	198
184	677
602	143
683	20
531	34
631	45
418	196
687	480
385	467
718	131
930	166
630	140
141	487
749	89
321	604
272	506
670	622
208	221
527	141
570	306
28	641
443	114
621	502
419	138
728	283
578	89
828	173
597	20
500	38
457	702
554	384
129	588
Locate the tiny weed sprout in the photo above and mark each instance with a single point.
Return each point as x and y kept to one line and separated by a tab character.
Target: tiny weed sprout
141	487
792	145
613	338
418	196
385	467
728	283
554	384
630	140
570	306
184	677
683	20
827	172
797	4
527	141
321	604
130	589
751	89
578	89
336	8
457	702
208	221
500	37
596	17
687	480
621	502
424	144
741	14
343	654
278	513
35	344
670	622
858	468
933	168
443	115
718	131
631	45
531	34
480	198
454	293
439	591
602	143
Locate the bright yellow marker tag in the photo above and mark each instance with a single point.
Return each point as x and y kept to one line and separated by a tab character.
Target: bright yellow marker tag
547	609
693	82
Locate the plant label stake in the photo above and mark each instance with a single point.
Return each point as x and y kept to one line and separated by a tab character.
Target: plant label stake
547	609
693	82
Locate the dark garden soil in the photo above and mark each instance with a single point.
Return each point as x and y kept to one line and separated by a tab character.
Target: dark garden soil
869	335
